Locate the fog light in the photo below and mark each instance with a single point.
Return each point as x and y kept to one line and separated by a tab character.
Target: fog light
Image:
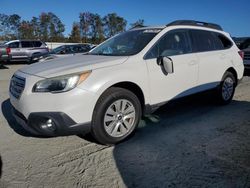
49	125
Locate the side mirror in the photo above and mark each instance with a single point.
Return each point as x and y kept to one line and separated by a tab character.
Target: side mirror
166	64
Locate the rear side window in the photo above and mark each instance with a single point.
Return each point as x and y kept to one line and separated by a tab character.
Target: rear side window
225	41
176	42
204	41
13	45
26	44
37	44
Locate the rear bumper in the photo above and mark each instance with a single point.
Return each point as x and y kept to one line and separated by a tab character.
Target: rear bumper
4	58
50	123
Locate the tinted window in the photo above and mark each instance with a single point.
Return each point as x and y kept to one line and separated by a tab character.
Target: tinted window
69	49
225	41
204	41
37	44
26	44
173	43
58	50
14	45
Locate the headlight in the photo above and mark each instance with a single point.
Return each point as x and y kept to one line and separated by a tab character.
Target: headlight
61	83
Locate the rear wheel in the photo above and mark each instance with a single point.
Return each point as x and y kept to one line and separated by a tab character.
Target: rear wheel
227	88
116	115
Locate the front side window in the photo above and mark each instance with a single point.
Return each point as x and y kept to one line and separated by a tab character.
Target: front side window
58	50
14	45
127	43
173	43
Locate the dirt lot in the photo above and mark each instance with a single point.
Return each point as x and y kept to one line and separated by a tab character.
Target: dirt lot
188	143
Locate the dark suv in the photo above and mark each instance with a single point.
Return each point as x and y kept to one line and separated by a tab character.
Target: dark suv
27	50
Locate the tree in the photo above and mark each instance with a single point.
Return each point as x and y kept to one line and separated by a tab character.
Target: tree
36	27
14	22
56	28
138	23
43	26
85	19
51	27
75	35
96	27
114	24
9	25
26	30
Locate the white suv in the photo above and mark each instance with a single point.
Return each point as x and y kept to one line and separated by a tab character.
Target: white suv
108	90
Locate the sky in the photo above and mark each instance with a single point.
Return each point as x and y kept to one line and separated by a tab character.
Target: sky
232	15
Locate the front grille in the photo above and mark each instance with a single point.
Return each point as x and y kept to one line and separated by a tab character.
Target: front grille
246	55
17	85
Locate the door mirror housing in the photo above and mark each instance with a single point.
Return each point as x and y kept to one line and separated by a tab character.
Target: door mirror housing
166	64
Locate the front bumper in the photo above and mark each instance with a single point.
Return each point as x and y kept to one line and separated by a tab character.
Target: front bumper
60	124
70	112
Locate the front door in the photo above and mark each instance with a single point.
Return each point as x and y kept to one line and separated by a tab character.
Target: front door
164	87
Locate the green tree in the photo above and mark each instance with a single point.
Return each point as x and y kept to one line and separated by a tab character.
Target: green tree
85	19
51	28
56	28
43	26
75	35
26	30
96	25
36	27
114	24
9	25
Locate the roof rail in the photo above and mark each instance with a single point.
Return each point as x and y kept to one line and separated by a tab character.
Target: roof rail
196	23
137	26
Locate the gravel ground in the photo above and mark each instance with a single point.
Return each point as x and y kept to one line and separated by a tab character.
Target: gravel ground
188	143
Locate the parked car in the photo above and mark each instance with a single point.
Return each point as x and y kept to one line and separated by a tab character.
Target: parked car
107	90
4	55
27	50
245	47
66	50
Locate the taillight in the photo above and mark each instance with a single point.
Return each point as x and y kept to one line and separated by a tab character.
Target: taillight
8	50
241	53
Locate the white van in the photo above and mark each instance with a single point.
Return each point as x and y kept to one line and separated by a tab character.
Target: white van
108	90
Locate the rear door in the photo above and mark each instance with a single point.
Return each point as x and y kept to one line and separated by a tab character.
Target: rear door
176	45
26	46
213	58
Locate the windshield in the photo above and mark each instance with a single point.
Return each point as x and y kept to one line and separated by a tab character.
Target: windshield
58	50
127	43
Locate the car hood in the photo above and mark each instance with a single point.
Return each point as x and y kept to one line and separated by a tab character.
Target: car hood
72	64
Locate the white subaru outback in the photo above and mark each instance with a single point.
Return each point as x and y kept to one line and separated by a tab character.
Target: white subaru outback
107	90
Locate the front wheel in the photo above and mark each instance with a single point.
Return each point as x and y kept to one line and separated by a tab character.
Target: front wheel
227	88
116	115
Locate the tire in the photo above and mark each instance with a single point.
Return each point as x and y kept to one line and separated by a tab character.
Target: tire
30	60
226	89
116	115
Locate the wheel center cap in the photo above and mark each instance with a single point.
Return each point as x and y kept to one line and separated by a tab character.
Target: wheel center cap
119	117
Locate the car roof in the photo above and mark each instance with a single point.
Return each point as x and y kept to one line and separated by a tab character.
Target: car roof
186	24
